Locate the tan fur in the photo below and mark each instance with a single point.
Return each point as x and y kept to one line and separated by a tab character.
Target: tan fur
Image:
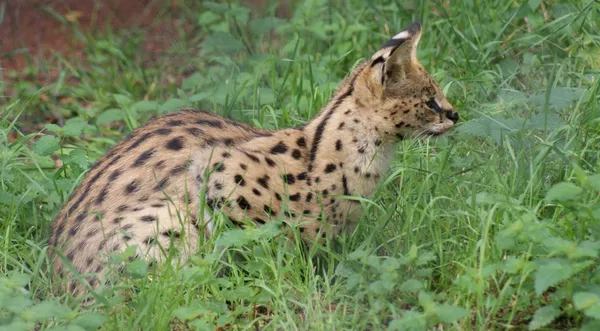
146	191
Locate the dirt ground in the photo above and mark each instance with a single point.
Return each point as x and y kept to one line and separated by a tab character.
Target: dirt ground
30	31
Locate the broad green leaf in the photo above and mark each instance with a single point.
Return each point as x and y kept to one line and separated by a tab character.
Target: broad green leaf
411	285
560	97
187	313
207	18
544	316
220	41
172	105
46	145
7	198
591	325
52	127
45	311
261	26
426	301
594	181
90	321
235	237
563	192
450	314
344	269
358	254
410	320
122	100
109	115
200	96
74	127
381	287
554	272
145	105
137	268
585	300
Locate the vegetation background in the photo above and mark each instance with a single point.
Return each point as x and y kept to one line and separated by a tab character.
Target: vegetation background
494	226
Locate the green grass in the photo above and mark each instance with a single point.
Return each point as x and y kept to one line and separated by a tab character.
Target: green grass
494	226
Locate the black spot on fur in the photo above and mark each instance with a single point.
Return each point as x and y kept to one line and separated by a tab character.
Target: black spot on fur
269	210
162	131
280	148
295	197
131	187
301	142
194	131
178	169
228	142
175	123
252	157
117	220
160	165
147	218
219	166
114	175
259	220
100	198
211	123
143	158
243	203
157	205
361	150
301	176
256	192
175	144
139	141
338	145
243	166
218	185
264	181
345	184
325	192
288	179
150	241
278	196
225	155
162	184
171	234
309	196
330	168
269	161
238	179
296	154
341	126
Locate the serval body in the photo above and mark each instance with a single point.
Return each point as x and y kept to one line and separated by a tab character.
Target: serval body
149	189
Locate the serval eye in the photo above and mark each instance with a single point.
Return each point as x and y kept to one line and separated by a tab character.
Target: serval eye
434	105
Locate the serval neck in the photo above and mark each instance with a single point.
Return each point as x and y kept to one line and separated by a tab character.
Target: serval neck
342	134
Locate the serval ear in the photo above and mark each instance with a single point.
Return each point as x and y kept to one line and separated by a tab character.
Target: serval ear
396	56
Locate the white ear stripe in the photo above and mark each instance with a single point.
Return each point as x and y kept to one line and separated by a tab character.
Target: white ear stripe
402	35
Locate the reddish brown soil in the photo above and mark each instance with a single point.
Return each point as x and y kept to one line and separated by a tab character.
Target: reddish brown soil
29	32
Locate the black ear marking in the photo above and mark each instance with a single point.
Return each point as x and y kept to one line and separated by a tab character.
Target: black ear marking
377	61
393	43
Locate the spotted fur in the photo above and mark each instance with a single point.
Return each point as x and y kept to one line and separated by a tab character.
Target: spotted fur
147	190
